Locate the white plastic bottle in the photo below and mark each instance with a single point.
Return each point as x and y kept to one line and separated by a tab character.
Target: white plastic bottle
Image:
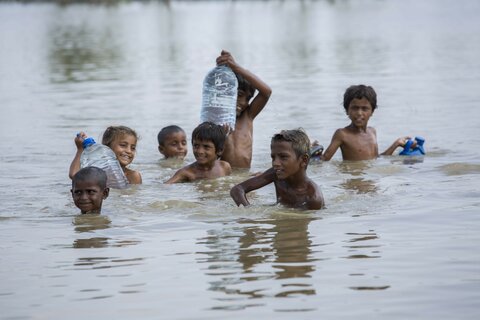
219	98
101	156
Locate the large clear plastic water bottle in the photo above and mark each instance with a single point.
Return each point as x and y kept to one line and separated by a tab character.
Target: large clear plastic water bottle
219	99
101	156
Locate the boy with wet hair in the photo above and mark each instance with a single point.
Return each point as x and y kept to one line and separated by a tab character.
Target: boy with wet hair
89	189
208	141
239	143
290	151
358	141
172	142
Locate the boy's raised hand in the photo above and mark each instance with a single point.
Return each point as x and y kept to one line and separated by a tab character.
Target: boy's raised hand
79	139
226	58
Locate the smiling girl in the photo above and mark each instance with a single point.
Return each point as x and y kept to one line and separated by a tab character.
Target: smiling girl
123	141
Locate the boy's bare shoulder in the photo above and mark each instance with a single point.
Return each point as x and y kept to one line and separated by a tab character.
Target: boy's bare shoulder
225	166
315	196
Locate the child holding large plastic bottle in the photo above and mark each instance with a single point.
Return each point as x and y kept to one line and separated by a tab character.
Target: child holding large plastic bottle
238	146
123	142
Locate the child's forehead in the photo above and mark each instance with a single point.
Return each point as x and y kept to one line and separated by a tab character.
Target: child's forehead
175	134
86	183
126	137
202	141
359	102
281	144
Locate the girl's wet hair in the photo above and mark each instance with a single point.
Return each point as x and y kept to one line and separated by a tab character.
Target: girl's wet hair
298	138
91	174
114	132
358	92
245	86
166	131
208	131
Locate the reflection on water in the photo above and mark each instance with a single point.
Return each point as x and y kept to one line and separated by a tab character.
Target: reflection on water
357	169
89	223
397	240
243	257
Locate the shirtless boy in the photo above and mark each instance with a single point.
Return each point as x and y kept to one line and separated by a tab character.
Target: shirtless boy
172	142
208	140
89	189
238	146
358	141
290	156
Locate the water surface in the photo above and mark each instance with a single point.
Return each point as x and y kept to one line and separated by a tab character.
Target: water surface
398	239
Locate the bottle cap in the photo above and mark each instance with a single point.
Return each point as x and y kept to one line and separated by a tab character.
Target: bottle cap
88	142
420	140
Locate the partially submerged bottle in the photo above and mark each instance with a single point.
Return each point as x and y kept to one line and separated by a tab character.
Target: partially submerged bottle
219	98
316	152
101	156
414	147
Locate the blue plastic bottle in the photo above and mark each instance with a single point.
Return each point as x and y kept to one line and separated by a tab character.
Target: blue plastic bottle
316	153
101	156
219	98
414	148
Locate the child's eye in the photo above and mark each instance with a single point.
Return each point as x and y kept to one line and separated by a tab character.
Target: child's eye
184	142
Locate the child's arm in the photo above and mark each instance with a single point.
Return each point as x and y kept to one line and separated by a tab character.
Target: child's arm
75	165
264	91
334	145
133	177
400	142
179	176
239	192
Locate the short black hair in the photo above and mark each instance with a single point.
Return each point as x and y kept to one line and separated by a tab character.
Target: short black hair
244	85
209	131
91	173
166	131
358	92
298	138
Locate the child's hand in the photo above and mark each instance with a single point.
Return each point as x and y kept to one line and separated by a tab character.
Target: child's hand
79	140
227	129
400	142
226	58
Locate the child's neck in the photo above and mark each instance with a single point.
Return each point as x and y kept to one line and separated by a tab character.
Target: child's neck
205	167
358	129
298	180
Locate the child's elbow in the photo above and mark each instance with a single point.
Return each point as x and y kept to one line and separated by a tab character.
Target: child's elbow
268	92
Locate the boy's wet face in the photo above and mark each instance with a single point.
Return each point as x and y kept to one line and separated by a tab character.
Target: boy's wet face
88	196
124	148
175	145
359	111
204	151
285	162
242	101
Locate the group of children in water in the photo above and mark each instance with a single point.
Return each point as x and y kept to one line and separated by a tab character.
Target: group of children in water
218	149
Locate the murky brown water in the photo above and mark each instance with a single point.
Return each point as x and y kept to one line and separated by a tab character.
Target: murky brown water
398	238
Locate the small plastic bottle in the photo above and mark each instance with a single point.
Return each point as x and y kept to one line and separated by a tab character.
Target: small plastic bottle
219	98
101	156
414	147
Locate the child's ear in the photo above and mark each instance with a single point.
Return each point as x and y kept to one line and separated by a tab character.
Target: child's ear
106	192
161	149
305	159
